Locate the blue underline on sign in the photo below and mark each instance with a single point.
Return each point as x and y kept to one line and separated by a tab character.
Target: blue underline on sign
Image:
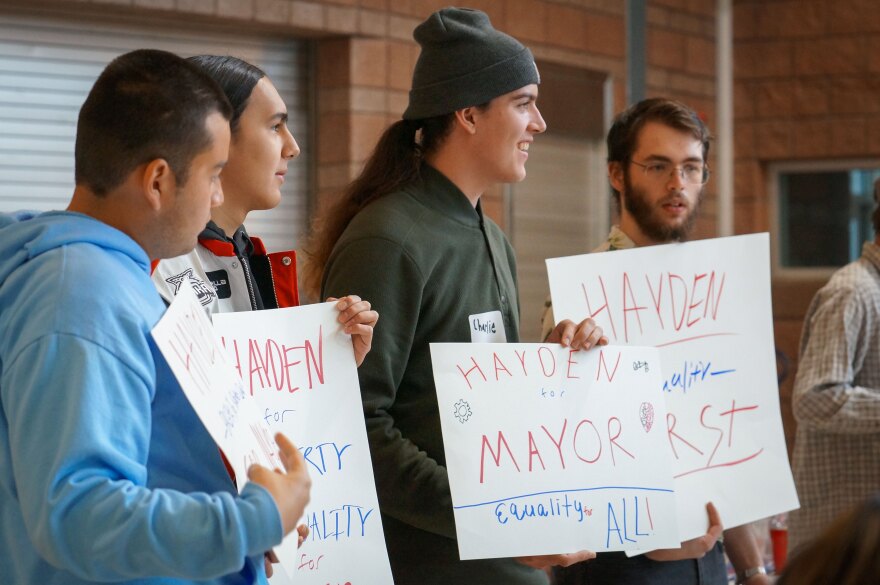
550	492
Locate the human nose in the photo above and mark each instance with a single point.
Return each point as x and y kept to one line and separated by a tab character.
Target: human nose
538	124
676	178
217	196
291	148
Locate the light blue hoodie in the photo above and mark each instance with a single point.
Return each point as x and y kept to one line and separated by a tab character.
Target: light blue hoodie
106	472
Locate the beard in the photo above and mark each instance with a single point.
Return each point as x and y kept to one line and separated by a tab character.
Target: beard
649	218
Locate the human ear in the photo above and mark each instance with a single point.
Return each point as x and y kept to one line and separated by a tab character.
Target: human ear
466	119
615	175
157	179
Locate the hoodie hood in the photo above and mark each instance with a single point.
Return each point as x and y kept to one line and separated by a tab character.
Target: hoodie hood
24	235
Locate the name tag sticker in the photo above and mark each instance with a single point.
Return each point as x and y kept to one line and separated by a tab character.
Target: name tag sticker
487	328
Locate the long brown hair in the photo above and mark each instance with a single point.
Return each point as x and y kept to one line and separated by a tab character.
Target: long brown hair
847	553
394	163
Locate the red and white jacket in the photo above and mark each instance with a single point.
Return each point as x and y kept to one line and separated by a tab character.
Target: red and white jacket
223	283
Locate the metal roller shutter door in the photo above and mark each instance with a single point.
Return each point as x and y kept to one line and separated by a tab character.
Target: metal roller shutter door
561	209
47	66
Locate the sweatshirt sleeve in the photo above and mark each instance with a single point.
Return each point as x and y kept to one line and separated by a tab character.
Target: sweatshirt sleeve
79	430
412	486
834	351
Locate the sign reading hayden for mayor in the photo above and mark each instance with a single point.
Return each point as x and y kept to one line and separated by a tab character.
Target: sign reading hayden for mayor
553	451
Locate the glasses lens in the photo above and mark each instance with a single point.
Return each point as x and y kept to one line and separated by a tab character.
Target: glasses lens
693	174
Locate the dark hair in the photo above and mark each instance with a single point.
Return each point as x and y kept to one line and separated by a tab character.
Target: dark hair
875	216
145	105
394	162
235	77
846	553
625	130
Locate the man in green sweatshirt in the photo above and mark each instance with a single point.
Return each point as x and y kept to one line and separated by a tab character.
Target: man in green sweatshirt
411	236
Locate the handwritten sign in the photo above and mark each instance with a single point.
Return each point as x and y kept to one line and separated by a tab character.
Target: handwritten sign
552	451
186	339
299	366
706	306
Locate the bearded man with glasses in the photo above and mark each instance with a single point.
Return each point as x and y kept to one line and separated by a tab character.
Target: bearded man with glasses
657	151
657	166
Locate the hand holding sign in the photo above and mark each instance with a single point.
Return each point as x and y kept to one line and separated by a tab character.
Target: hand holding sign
290	490
357	320
696	548
564	560
583	335
186	339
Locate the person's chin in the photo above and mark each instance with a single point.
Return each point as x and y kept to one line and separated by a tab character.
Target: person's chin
271	201
517	176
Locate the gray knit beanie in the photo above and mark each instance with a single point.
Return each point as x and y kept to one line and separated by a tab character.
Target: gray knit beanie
465	62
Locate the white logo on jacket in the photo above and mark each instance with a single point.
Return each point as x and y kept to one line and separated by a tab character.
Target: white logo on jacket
204	291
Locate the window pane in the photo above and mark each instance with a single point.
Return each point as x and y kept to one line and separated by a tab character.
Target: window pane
825	216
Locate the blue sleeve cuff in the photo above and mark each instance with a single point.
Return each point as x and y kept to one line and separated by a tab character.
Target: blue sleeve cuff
261	519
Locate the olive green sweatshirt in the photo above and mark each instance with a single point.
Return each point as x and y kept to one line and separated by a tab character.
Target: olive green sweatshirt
427	260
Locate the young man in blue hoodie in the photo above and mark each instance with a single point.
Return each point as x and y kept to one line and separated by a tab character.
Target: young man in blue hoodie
106	472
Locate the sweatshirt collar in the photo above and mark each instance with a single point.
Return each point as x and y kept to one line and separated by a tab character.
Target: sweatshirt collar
439	193
71	227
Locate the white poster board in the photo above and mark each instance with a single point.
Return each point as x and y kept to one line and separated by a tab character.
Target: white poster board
706	305
186	339
554	451
299	367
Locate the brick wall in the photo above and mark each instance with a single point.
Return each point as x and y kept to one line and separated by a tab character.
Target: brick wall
586	33
681	65
806	88
365	56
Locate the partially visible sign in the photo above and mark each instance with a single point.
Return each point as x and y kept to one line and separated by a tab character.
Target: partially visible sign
299	366
186	339
706	306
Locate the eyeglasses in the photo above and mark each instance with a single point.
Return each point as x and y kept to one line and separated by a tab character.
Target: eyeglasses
693	173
